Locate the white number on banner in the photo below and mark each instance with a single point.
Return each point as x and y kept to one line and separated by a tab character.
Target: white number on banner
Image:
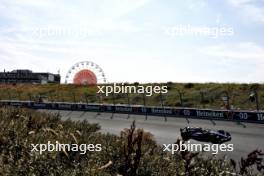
243	115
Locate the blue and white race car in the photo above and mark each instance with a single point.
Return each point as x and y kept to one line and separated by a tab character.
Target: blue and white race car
199	134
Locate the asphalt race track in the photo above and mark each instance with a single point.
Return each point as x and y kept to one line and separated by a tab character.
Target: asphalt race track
246	137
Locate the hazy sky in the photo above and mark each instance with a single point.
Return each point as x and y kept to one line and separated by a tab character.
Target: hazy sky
137	40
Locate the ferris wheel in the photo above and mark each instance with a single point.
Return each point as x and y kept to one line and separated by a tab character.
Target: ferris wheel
85	73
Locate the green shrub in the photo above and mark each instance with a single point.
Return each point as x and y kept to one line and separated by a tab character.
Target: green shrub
134	152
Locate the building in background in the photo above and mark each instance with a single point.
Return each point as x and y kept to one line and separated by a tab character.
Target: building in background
27	76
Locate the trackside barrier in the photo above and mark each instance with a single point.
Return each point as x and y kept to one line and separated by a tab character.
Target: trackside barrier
230	115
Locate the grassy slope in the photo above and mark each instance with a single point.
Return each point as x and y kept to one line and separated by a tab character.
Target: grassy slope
213	92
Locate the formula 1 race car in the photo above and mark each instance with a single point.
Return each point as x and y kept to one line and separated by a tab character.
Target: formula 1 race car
199	134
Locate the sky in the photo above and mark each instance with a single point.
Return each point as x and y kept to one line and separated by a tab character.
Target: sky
137	40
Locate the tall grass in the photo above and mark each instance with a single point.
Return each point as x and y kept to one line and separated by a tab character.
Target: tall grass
207	95
134	152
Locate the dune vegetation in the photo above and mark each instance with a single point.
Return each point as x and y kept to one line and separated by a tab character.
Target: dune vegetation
198	95
133	152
